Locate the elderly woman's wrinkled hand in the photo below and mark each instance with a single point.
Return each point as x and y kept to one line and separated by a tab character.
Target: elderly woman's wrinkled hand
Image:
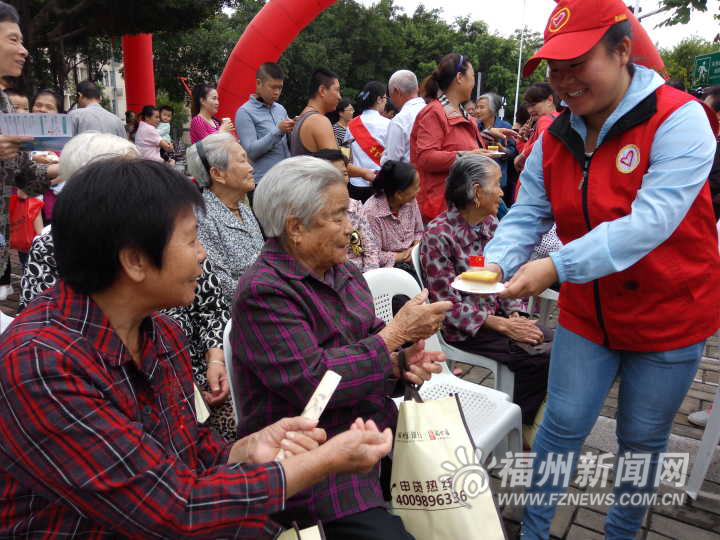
358	449
415	321
421	363
523	330
216	377
293	435
531	279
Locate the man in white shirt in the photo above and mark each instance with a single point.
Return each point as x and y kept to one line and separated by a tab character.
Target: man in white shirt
403	90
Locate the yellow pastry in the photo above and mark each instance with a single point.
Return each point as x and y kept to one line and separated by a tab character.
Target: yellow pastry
484	276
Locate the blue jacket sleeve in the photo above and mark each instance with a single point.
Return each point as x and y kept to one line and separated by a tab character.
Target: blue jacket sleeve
528	219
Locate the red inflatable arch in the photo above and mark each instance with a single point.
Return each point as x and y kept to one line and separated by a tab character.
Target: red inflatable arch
264	40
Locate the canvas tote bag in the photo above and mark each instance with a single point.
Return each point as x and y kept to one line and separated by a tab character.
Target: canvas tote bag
438	487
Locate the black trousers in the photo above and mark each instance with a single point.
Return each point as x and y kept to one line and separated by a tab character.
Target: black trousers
531	370
373	524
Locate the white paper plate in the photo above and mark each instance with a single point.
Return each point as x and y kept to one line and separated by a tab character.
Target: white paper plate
495	154
477	287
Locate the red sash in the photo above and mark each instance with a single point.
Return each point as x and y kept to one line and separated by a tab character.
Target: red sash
367	142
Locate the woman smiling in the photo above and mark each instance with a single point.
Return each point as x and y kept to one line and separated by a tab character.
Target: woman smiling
623	172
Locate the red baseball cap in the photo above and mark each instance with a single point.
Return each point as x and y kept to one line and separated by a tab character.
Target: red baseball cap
575	27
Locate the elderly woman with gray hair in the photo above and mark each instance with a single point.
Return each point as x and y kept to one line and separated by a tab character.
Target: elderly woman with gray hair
482	324
487	108
228	230
302	309
203	321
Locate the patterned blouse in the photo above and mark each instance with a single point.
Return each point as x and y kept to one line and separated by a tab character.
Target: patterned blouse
363	251
232	244
393	233
444	251
20	172
203	321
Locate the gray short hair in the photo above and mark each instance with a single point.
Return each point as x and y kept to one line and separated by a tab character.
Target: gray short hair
296	187
216	149
467	172
92	145
404	81
494	102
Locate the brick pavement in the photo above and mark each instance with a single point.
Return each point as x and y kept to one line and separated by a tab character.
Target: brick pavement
698	520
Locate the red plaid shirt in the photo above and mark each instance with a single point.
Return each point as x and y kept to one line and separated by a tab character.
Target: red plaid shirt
93	447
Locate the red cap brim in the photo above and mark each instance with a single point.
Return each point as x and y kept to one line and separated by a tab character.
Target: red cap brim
565	46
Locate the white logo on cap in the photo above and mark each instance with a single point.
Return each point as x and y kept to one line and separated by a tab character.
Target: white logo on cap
558	20
628	158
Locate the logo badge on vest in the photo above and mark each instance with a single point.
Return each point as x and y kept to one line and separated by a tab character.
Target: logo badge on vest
560	19
628	159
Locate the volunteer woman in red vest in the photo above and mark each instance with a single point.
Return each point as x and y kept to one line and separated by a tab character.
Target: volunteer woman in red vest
368	131
623	173
443	130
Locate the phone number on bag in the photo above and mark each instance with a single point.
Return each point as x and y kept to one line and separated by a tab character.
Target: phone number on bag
442	499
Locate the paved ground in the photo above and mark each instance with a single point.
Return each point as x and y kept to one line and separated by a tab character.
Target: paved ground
699	520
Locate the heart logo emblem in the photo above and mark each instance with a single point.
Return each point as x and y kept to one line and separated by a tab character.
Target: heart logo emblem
559	20
628	158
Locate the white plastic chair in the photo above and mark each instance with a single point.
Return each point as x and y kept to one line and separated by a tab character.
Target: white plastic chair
545	300
5	321
710	440
230	368
504	377
495	422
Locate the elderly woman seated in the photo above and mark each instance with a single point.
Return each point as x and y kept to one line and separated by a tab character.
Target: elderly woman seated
301	310
203	321
99	431
363	250
228	229
482	323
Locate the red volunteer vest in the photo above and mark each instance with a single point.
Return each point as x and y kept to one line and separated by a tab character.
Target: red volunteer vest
671	297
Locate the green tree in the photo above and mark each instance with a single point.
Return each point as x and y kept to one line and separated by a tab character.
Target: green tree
358	43
57	32
680	10
680	60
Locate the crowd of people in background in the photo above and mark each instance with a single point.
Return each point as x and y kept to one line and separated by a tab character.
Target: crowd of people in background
154	280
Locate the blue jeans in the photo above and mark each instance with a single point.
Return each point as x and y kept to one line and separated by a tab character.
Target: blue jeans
652	388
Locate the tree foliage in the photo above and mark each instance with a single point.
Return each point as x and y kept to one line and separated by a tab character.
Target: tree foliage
58	33
680	60
681	10
358	43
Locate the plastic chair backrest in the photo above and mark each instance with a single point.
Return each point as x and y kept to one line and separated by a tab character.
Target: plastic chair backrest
5	321
415	256
230	368
384	283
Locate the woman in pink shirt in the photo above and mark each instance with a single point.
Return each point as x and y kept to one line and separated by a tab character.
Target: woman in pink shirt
393	213
205	105
147	137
